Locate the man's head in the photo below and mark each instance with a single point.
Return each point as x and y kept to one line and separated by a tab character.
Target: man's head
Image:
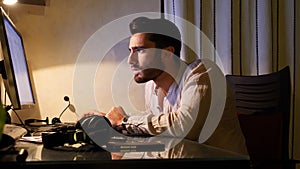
162	32
149	38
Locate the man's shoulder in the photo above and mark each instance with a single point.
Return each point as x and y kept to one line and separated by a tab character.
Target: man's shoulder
194	63
196	72
196	66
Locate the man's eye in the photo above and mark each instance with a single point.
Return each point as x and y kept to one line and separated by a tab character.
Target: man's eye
140	50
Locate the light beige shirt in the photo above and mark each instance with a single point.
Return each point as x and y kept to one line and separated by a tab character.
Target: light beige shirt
184	111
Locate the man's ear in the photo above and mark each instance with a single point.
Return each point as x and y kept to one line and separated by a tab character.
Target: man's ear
168	51
167	54
171	49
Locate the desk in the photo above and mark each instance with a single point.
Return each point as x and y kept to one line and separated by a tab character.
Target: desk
176	154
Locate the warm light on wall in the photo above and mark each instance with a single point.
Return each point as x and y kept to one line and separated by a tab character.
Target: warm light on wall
9	2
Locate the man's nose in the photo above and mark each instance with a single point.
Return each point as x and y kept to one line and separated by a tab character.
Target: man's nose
132	58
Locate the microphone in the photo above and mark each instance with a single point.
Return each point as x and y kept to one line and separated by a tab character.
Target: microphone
57	119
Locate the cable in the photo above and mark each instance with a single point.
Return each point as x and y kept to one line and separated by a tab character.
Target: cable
23	125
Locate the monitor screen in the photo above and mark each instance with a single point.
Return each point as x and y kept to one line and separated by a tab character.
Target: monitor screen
17	82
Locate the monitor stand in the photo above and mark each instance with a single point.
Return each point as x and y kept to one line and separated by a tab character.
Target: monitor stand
8	118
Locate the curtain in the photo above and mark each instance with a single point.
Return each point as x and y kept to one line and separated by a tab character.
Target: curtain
248	37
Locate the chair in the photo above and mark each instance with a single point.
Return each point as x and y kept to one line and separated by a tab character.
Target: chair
263	107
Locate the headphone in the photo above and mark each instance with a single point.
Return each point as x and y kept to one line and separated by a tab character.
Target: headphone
93	130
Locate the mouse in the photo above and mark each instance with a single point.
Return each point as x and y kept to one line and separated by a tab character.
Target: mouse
22	155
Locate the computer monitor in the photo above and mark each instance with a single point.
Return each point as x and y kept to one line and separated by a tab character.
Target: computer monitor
14	66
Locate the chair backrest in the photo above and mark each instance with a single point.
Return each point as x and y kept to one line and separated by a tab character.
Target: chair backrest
263	106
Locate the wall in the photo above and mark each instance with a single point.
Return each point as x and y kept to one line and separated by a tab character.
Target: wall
54	36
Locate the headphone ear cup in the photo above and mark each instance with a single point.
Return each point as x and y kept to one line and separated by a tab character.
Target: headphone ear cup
91	129
54	139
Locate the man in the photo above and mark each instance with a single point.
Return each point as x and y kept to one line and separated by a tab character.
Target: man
178	96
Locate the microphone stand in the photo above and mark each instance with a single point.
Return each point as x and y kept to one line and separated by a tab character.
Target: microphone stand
57	119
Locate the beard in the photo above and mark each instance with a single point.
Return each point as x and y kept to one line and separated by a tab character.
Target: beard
147	75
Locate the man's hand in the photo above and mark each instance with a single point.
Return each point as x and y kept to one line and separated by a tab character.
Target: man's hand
115	116
91	113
